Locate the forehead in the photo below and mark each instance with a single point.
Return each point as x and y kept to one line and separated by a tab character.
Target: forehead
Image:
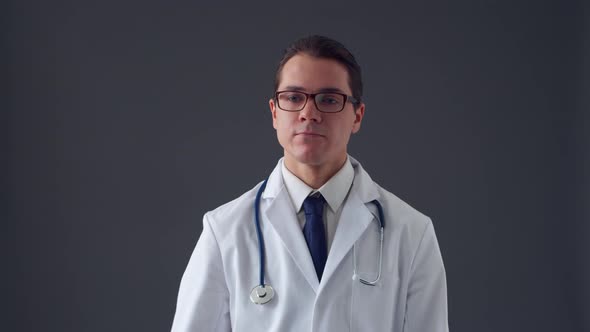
313	74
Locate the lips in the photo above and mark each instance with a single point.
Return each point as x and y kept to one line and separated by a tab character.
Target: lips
309	133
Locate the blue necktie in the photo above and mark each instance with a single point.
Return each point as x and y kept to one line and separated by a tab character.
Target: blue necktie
314	232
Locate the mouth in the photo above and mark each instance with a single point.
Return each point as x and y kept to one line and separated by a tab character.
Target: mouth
308	133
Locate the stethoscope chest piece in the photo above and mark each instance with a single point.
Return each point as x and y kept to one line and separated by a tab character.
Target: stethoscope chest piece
262	294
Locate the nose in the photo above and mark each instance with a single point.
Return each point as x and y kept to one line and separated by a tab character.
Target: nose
310	112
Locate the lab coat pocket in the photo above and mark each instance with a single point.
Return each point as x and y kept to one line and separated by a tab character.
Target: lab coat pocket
372	306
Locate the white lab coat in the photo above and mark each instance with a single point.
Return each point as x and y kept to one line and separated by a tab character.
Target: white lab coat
224	267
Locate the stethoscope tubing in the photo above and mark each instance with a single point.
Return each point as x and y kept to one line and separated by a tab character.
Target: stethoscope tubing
262	251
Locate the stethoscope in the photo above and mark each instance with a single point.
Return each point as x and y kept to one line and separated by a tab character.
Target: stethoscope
263	293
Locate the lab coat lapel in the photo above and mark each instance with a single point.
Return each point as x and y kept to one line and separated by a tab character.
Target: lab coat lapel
281	215
353	222
354	219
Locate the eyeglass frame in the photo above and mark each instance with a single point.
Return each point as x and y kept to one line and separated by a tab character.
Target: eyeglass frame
347	98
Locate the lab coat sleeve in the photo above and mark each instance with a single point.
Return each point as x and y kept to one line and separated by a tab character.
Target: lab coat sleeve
203	298
426	305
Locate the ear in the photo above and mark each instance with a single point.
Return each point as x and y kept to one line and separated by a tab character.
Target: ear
273	111
358	118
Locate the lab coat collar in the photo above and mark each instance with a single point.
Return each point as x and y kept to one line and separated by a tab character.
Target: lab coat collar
354	220
367	191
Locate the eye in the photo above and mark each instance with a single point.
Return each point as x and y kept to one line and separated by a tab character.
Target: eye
330	99
292	97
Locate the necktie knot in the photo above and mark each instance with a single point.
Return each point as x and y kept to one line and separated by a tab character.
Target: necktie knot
314	205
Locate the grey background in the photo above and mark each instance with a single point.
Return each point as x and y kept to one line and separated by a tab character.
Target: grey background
127	121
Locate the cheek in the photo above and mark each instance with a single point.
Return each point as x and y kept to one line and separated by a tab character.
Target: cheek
283	127
343	129
343	133
282	124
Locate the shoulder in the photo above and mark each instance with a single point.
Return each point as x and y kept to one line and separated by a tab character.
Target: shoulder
407	227
233	214
236	205
400	211
402	220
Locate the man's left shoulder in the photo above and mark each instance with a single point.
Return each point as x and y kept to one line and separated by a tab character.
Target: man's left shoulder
399	213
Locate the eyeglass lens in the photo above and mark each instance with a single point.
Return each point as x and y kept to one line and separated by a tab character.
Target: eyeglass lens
325	102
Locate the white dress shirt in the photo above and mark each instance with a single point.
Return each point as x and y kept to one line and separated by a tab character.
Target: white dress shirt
334	192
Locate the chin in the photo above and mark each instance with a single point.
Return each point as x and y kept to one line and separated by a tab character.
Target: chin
312	158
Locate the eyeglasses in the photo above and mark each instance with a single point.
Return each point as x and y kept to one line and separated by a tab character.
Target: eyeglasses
327	102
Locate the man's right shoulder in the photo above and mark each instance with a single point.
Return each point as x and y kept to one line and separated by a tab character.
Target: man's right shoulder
235	213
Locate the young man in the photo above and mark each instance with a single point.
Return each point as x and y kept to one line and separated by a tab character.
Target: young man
318	246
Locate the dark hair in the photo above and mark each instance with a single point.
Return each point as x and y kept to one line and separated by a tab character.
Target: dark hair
324	47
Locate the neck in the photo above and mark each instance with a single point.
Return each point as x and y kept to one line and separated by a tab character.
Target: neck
314	176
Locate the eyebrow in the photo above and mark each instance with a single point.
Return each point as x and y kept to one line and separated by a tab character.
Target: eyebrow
322	90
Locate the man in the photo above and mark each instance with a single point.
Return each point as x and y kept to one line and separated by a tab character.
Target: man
319	263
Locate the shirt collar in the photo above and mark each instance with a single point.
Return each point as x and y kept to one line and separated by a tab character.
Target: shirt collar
334	191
